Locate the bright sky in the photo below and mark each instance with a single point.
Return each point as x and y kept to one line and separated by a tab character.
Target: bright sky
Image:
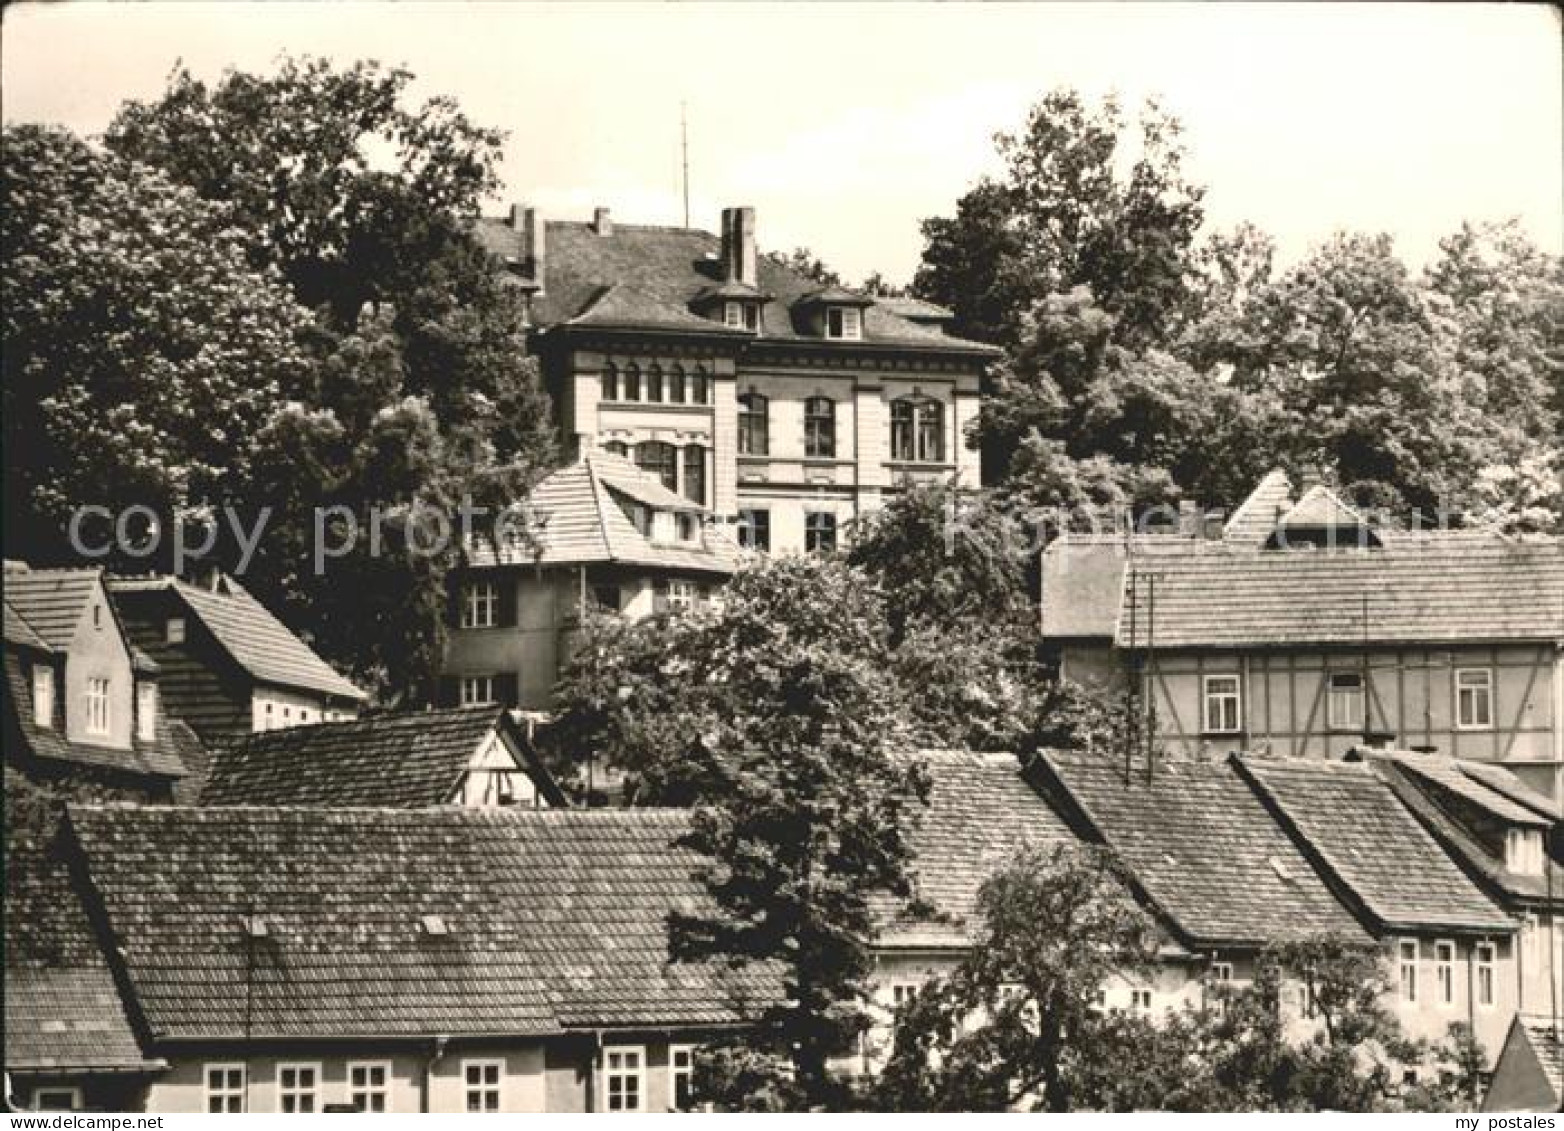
846	124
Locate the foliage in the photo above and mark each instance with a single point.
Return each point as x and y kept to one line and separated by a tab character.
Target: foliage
142	350
805	263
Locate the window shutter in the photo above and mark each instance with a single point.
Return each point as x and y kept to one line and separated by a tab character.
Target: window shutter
449	691
454	596
505	588
507	689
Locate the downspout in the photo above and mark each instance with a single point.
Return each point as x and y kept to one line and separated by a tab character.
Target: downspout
436	1052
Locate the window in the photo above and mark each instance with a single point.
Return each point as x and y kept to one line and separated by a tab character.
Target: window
1523	851
480	604
676	384
843	322
819	532
1407	949
820	428
1474	698
661	460
902	993
681	594
1222	972
146	711
57	1099
1344	709
297	1085
174	630
224	1088
698	387
632	382
1444	972
1486	952
1140	1001
482	1081
754	438
688	527
917	430
624	1079
741	315
97	706
43	695
1222	714
1306	1008
681	1067
617	447
695	473
654	384
607	596
368	1084
755	530
477	689
610	379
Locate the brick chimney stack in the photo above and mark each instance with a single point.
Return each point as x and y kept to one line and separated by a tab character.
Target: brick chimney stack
527	223
739	263
601	223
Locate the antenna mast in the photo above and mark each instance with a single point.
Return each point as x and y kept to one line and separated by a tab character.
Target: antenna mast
684	154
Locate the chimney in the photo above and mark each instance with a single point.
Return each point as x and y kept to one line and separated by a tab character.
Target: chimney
739	264
527	223
1190	519
601	224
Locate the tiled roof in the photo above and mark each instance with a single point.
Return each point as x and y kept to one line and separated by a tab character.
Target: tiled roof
1084	577
406	760
158	758
20	633
1546	1038
50	601
981	811
1255	518
1466	781
1320	508
1358	829
258	642
582	522
915	308
1412	592
1204	850
659	271
552	918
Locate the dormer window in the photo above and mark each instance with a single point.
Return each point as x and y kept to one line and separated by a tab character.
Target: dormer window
1523	852
844	322
146	711
98	707
741	315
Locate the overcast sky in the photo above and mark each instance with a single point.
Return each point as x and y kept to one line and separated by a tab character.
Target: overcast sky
844	125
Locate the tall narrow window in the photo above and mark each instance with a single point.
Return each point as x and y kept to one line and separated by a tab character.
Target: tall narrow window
610	379
695	473
624	1079
480	604
1523	853
1474	698
676	384
97	706
476	690
820	532
917	430
699	386
1486	953
146	711
1344	709
1407	950
174	630
843	322
681	1066
754	426
820	428
755	529
43	695
1223	714
298	1086
661	460
654	384
481	1080
224	1088
1444	972
632	382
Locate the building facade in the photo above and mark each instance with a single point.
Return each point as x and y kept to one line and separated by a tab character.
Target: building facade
785	407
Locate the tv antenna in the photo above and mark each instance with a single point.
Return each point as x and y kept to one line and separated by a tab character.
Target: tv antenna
684	155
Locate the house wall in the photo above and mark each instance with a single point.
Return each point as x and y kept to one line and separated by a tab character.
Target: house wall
117	1092
98	651
575	1082
273	708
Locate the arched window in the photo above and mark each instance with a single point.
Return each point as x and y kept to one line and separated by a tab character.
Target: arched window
698	386
820	428
695	473
676	384
632	388
917	430
610	382
661	460
754	428
617	447
654	384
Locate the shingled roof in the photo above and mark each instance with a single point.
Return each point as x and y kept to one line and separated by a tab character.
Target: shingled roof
1355	827
647	277
581	522
1256	517
49	602
1084	579
406	760
375	922
1203	849
981	812
257	641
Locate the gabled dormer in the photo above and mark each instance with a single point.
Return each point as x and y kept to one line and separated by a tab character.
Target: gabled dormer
1321	520
734	304
834	313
